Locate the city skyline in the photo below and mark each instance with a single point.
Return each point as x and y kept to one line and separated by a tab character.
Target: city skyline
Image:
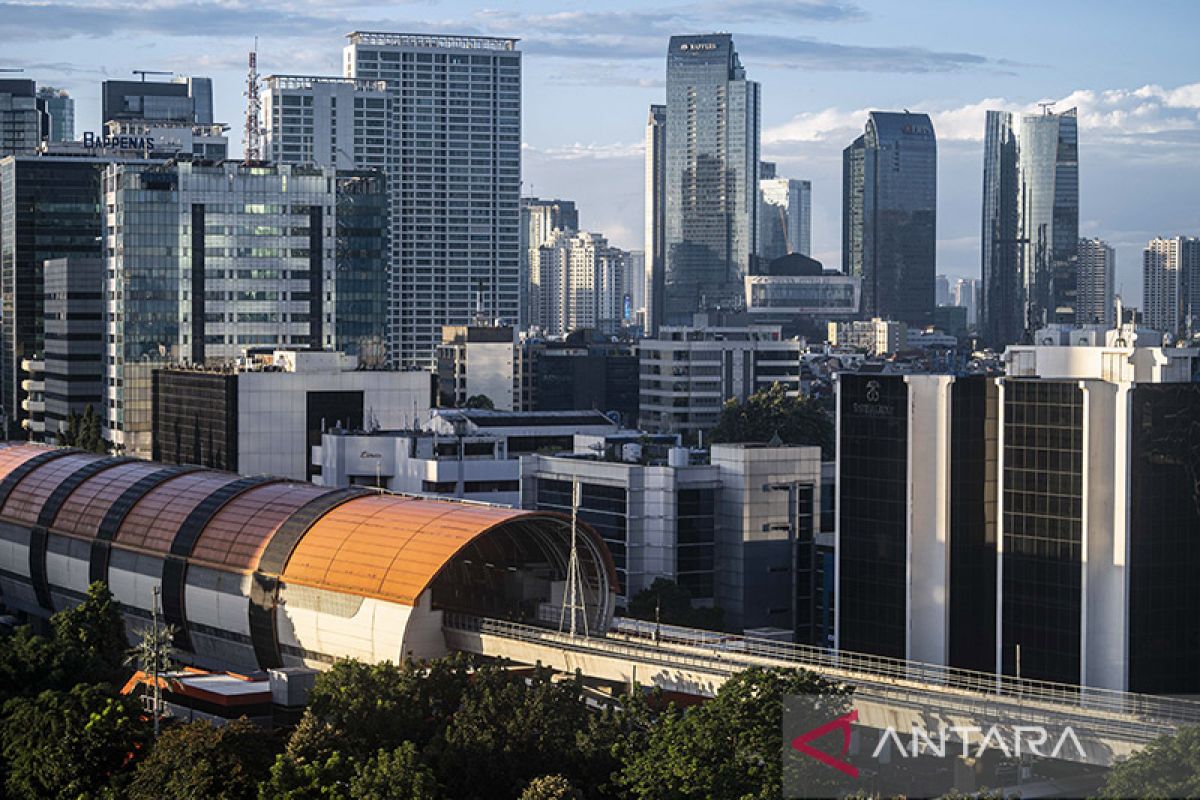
1140	133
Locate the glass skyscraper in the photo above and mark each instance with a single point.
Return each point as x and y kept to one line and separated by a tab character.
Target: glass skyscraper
712	163
1030	234
206	262
656	207
889	216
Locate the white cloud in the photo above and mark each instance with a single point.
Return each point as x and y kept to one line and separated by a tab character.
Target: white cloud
580	150
1151	113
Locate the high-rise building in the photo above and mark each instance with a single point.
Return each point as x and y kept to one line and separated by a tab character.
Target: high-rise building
576	280
785	217
712	162
1048	205
889	215
1002	297
74	335
1094	279
480	361
635	287
539	220
208	261
656	209
1030	230
965	293
1171	285
58	114
454	179
340	122
20	123
182	99
1034	524
941	292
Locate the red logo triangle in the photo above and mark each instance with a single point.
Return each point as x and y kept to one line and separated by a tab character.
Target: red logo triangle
842	723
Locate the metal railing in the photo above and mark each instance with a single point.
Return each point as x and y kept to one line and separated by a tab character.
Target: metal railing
721	653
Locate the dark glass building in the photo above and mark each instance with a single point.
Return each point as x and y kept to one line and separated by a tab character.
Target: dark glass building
74	336
889	216
1002	292
712	163
361	267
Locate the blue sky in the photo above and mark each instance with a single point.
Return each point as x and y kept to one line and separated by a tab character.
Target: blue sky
591	70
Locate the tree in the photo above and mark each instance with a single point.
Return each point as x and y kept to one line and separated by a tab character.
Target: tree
96	630
770	412
671	604
550	787
728	747
394	775
1168	767
480	401
70	744
199	760
83	431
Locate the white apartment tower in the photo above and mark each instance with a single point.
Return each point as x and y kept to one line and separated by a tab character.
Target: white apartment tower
1094	282
577	280
1171	284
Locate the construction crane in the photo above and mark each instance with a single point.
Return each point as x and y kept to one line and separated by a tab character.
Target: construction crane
11	69
145	72
252	144
1047	106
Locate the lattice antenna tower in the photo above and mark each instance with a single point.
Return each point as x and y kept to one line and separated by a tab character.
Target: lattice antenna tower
254	131
573	602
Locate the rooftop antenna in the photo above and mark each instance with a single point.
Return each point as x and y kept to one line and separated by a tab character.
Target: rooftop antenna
253	132
145	72
573	603
1047	106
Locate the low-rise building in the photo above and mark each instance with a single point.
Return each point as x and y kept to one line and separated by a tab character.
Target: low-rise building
873	336
469	454
265	415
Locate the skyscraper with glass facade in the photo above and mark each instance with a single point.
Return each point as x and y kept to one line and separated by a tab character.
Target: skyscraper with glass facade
453	163
1094	277
20	127
207	261
785	218
58	114
889	216
1002	304
656	209
1048	209
712	163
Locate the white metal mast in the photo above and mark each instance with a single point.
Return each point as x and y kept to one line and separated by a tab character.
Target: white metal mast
574	602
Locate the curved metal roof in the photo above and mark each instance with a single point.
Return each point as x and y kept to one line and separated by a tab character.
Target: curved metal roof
384	546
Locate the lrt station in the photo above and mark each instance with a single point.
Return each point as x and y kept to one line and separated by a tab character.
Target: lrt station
266	575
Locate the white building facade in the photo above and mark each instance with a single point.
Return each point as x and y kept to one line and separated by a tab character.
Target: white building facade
785	217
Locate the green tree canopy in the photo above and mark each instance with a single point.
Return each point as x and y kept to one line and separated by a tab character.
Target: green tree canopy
70	744
550	787
672	604
1168	767
394	775
480	401
728	747
770	412
199	760
96	629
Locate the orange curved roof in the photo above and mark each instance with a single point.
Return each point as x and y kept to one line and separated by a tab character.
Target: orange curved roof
31	493
153	522
388	546
15	455
237	534
84	509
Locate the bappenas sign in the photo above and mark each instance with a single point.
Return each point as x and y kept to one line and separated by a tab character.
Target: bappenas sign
104	142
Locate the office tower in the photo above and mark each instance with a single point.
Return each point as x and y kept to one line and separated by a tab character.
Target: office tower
785	216
941	287
20	124
586	370
889	215
577	280
179	100
256	257
1171	285
74	335
635	287
712	150
1002	297
656	209
539	219
688	373
479	361
454	180
1094	275
1048	205
58	114
965	293
1033	524
50	207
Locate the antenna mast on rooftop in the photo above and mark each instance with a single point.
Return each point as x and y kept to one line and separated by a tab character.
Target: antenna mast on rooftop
253	132
573	594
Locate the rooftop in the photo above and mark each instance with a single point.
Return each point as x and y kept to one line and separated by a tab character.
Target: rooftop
432	40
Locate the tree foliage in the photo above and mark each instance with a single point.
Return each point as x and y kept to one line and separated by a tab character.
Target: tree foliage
394	775
550	787
770	412
1168	767
70	744
480	401
728	747
671	604
199	760
83	431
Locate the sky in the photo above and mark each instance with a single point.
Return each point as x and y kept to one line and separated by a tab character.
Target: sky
592	69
